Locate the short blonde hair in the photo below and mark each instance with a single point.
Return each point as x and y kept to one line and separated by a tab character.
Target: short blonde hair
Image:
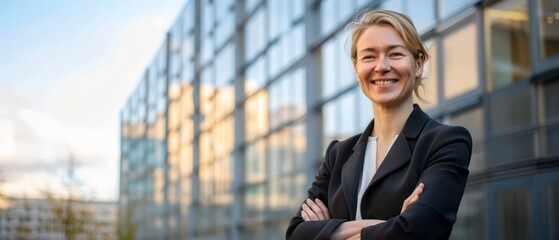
403	26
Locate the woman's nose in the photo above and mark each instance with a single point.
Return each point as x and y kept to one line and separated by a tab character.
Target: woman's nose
382	65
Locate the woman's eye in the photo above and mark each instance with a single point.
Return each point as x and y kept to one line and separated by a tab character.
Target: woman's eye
367	58
396	54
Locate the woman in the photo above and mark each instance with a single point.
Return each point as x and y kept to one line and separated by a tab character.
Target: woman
404	176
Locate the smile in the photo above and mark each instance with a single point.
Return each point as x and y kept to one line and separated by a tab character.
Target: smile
383	82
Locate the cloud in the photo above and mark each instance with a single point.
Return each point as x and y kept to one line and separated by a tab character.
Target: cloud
76	109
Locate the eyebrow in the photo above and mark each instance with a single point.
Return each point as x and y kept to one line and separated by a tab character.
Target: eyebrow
390	47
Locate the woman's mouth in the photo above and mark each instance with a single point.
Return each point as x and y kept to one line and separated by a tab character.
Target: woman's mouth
383	82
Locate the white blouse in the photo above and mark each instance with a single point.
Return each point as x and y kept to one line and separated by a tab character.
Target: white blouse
369	170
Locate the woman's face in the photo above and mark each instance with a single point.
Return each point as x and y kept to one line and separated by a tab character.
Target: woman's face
385	68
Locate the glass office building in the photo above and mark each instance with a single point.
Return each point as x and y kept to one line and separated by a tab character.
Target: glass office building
229	122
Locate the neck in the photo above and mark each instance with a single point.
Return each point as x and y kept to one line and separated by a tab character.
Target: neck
389	120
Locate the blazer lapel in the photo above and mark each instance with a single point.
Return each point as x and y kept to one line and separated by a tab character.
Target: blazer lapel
398	155
400	152
351	177
353	169
393	159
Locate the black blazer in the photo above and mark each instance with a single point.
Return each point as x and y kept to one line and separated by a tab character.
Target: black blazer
425	151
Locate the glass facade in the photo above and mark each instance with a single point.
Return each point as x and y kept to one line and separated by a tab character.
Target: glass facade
229	122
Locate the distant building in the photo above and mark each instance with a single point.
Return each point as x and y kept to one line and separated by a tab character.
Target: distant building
229	121
23	218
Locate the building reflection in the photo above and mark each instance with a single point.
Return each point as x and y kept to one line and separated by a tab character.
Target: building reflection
230	120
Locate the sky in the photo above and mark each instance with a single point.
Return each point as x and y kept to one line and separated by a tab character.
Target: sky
67	68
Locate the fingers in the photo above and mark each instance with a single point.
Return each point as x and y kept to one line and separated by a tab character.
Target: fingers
314	210
413	197
355	237
305	216
309	212
324	209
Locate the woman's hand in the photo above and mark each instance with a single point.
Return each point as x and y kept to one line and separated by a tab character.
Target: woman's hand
314	210
352	229
413	197
355	237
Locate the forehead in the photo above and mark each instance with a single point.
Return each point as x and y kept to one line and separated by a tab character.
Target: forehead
379	36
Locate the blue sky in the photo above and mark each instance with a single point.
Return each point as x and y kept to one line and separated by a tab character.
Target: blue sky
66	69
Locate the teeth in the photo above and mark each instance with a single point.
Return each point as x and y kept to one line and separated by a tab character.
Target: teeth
384	82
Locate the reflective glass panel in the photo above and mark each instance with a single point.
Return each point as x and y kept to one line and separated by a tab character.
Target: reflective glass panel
507	32
510	112
551	103
514	214
460	72
340	118
256	115
553	210
279	203
254	201
250	5
337	68
279	153
327	16
447	7
225	65
549	27
470	221
297	9
255	168
394	5
255	34
296	43
278	17
329	68
472	119
422	13
255	76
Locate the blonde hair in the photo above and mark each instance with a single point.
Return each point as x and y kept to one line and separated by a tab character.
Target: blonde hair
403	26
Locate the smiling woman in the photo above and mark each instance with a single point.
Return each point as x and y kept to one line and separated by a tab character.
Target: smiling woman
405	169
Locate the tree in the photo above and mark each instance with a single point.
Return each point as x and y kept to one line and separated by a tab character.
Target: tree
126	228
69	217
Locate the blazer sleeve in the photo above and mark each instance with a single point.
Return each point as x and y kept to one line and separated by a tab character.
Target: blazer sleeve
301	229
434	213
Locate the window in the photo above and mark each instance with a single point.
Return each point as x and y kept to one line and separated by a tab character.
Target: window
470	222
507	31
337	66
255	77
510	118
448	7
333	13
552	193
255	39
422	13
255	170
340	119
549	26
514	214
256	115
472	119
287	98
551	131
254	201
460	69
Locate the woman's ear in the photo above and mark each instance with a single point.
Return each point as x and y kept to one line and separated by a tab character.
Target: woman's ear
419	63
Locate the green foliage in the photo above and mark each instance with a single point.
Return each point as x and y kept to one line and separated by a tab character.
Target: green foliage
126	229
70	217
